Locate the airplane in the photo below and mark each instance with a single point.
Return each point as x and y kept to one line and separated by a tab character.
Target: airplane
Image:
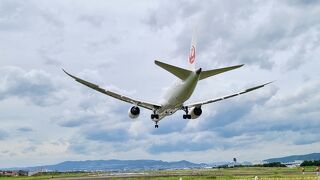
177	95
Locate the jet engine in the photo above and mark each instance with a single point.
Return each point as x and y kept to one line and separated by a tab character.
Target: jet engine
195	112
134	112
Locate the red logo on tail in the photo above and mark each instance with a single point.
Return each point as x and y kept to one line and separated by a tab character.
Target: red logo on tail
192	55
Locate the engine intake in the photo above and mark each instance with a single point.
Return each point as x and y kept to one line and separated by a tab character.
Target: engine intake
134	112
195	112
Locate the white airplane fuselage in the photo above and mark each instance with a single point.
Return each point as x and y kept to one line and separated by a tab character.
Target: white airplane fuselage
178	94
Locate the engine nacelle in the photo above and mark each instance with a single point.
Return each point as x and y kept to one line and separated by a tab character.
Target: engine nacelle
134	112
195	112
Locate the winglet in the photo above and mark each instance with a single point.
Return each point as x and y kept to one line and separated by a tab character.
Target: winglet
69	74
87	83
257	87
66	72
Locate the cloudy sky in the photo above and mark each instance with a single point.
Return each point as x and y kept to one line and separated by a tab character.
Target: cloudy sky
46	117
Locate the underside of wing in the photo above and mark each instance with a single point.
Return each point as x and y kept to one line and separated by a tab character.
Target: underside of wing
198	104
144	104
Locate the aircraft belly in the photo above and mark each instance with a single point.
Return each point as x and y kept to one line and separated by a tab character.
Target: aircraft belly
178	95
185	92
166	111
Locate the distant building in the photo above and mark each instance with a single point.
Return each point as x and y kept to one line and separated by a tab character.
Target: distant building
259	162
13	173
293	164
9	173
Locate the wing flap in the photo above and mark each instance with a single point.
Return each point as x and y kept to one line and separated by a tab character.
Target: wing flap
147	105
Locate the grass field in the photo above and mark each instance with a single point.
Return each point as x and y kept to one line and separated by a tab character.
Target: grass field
47	176
241	173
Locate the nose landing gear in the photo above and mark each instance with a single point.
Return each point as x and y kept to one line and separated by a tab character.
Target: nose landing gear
156	126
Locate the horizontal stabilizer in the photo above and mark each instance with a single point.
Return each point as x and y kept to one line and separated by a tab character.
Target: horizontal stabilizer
179	72
206	74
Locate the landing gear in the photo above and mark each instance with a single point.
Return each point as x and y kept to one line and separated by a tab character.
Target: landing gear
186	116
154	116
156	126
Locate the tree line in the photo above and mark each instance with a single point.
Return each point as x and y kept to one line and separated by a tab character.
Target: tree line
310	163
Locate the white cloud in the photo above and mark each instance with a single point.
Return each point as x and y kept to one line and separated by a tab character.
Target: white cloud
36	86
47	117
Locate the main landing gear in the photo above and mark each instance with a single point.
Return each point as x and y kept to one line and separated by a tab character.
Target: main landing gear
155	117
186	116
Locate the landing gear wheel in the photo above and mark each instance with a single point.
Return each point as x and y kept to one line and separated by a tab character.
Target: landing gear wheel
154	116
156	126
186	116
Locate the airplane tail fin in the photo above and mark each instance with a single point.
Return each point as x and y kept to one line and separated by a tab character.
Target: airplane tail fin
193	50
213	72
181	73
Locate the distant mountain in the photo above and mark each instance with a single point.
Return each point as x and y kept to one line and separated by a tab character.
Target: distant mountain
131	165
115	165
307	157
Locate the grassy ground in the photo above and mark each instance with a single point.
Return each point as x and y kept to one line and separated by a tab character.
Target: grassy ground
241	173
46	176
297	177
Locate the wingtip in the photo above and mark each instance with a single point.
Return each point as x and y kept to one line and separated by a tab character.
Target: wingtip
238	66
66	72
269	82
156	61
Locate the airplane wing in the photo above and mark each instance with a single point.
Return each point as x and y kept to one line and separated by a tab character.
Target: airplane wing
147	105
197	104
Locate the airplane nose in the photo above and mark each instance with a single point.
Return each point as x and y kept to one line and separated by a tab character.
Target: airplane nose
198	71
